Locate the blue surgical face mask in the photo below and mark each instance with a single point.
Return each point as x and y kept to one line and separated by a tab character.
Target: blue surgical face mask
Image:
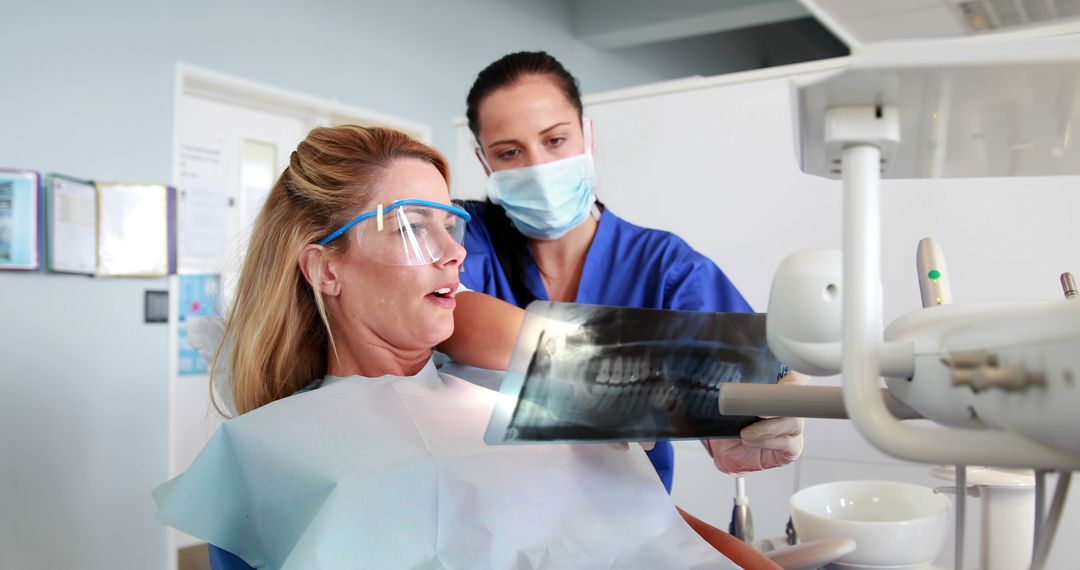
547	200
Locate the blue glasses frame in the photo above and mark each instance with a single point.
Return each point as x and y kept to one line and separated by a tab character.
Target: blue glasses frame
452	209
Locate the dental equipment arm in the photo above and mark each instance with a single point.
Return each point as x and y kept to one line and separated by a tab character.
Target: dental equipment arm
798	401
998	377
862	131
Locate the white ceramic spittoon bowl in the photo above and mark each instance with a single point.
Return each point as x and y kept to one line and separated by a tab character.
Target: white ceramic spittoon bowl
894	525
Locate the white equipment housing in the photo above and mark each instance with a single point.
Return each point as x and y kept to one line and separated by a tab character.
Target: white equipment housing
1003	378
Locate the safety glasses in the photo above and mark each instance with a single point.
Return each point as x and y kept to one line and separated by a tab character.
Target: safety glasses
407	232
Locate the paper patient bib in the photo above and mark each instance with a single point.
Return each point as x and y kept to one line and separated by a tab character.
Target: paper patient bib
392	472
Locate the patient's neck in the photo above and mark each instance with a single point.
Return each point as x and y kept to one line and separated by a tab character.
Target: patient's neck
372	359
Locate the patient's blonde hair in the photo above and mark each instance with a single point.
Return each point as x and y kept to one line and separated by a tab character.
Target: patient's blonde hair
277	322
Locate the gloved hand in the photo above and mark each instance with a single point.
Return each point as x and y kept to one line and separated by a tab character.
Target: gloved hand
769	443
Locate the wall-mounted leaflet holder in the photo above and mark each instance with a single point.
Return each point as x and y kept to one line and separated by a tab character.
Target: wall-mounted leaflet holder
597	373
71	219
20	216
136	233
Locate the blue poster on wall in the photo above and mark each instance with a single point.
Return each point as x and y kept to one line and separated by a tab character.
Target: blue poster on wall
20	235
199	298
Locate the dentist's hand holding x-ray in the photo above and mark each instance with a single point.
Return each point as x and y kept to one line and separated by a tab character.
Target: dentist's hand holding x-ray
769	443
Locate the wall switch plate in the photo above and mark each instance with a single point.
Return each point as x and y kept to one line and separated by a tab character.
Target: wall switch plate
156	307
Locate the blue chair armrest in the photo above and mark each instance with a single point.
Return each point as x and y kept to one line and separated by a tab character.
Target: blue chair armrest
223	560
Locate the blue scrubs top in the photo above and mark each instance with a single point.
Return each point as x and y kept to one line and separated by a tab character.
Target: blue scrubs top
626	266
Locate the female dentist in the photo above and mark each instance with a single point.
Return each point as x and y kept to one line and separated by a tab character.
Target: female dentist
542	234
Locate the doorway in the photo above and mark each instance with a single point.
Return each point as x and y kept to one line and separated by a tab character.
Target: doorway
231	139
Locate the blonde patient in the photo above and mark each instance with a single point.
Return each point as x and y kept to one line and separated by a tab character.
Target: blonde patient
384	317
350	449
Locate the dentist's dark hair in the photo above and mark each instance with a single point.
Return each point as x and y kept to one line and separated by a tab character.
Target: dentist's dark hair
511	247
511	68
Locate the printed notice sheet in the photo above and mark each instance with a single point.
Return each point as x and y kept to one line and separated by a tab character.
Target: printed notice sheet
72	225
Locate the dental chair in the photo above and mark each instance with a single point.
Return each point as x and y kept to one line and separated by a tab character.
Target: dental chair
805	556
736	550
223	560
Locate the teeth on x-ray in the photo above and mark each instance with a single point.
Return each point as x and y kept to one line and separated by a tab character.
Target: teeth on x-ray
629	384
604	376
625	374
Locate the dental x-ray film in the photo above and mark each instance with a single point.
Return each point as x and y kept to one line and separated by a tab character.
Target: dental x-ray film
607	374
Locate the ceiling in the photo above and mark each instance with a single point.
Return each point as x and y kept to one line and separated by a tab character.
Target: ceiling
617	24
631	23
741	34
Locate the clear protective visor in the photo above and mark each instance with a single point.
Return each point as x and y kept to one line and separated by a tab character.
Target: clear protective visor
407	232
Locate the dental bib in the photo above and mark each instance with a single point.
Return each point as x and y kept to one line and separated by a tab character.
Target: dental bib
392	472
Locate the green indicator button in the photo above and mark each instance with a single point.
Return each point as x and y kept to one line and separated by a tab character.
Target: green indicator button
934	274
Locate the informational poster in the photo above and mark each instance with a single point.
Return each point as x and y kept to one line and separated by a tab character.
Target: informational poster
72	225
599	373
204	206
199	298
20	208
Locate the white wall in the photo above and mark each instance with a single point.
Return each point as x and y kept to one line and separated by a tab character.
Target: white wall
88	91
102	72
82	423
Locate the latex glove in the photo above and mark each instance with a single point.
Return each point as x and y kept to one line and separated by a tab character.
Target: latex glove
769	443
